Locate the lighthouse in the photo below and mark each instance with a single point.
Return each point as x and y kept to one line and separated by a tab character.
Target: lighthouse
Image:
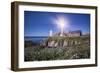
62	23
50	33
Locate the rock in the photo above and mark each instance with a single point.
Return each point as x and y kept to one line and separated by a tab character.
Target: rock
65	43
76	42
71	42
56	44
51	44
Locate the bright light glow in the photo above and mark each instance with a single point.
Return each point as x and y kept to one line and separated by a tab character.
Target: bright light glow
62	23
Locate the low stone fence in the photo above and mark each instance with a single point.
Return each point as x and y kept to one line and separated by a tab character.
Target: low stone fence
66	41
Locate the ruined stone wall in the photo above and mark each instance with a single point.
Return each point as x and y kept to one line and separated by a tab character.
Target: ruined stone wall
66	41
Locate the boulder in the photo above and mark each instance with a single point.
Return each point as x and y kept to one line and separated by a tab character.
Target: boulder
65	43
51	44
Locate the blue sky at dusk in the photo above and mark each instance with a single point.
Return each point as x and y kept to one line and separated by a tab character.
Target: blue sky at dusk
40	23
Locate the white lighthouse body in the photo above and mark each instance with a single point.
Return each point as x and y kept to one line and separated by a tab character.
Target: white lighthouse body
50	33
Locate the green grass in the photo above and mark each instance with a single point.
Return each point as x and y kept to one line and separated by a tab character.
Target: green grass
80	51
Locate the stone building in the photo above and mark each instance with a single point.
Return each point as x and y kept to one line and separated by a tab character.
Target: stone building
67	39
70	33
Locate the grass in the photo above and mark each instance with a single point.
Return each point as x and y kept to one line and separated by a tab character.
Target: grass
40	53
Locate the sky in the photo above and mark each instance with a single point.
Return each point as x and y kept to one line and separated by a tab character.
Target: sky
40	23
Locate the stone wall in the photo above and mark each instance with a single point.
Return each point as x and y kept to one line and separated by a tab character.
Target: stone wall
65	42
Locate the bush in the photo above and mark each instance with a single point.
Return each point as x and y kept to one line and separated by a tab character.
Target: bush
74	52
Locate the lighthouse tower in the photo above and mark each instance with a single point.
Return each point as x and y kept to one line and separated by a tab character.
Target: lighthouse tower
50	33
